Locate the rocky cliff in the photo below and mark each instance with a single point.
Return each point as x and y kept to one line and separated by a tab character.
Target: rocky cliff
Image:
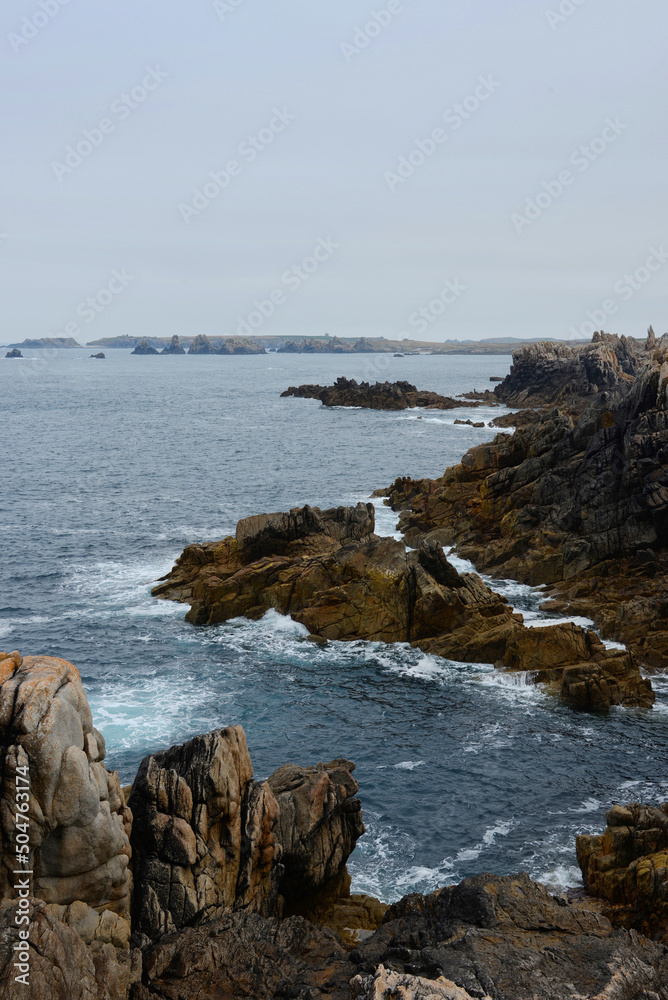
173	347
577	497
220	864
331	345
380	396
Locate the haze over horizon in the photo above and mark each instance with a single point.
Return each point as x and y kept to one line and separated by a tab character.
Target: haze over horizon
398	169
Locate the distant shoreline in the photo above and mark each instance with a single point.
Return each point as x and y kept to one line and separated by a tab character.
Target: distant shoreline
306	345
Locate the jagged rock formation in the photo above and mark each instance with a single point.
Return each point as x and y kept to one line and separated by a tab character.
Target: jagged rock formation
329	571
174	347
381	396
61	964
548	373
319	822
628	866
577	498
329	345
228	345
507	937
386	984
219	856
15	353
79	824
202	834
143	347
240	345
202	345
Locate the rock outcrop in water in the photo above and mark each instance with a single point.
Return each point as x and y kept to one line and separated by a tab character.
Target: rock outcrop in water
228	345
577	498
380	396
173	347
219	857
628	866
143	347
207	836
15	353
329	571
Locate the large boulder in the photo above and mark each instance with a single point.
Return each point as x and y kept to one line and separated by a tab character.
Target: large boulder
319	823
52	762
203	835
207	836
627	865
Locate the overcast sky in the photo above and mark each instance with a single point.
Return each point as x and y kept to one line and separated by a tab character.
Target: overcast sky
313	104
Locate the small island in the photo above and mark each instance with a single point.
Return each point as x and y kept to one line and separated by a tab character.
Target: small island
100	355
380	396
15	353
42	342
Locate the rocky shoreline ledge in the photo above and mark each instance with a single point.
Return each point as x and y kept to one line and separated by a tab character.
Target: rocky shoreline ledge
577	498
200	881
330	572
380	396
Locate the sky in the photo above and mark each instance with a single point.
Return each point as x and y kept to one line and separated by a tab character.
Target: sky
410	168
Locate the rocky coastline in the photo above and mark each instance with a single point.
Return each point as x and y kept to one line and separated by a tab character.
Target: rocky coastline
576	500
199	881
380	396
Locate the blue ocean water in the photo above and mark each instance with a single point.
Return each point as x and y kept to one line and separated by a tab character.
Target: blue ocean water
111	467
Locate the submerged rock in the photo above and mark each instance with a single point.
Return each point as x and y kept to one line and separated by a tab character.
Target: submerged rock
380	396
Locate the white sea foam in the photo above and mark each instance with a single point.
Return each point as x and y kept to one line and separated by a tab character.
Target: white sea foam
408	765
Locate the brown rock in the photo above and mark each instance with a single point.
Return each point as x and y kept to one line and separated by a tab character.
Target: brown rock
203	835
60	965
78	822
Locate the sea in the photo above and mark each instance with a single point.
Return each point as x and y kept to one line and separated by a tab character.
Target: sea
110	467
